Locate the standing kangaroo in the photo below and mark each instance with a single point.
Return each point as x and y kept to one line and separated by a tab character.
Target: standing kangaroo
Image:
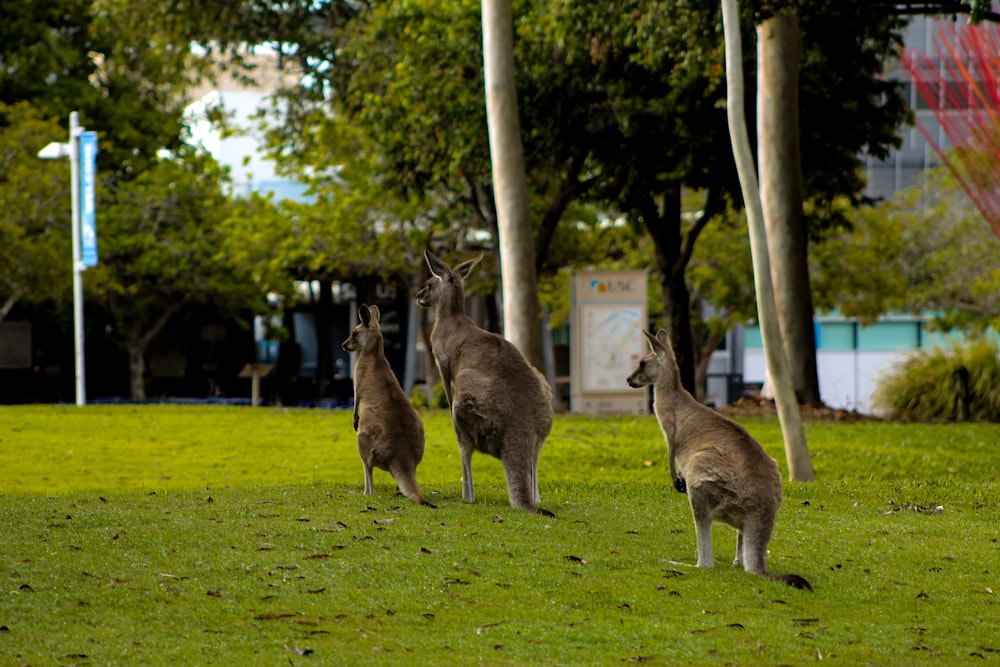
390	432
726	473
500	404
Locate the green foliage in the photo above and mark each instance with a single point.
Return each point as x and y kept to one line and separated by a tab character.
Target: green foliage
163	242
241	536
437	400
418	398
35	210
924	251
588	240
925	386
101	58
161	236
721	275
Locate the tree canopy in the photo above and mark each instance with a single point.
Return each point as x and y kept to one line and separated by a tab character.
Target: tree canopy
163	243
34	210
923	251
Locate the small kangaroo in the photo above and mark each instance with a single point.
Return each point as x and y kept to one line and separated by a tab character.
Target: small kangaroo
390	432
500	404
726	473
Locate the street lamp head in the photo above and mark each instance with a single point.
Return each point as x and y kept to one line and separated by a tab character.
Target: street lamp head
54	151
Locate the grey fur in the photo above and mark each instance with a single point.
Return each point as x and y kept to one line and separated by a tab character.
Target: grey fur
390	432
500	404
726	473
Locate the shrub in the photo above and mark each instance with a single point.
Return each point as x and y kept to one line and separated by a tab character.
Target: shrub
440	399
419	398
925	386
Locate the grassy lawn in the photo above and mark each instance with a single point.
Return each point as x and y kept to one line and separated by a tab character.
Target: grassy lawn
169	535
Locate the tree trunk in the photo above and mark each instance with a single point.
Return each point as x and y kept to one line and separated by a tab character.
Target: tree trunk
702	361
796	449
510	185
137	370
664	227
11	301
136	343
778	55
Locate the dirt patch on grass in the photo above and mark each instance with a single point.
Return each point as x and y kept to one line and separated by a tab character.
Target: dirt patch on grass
752	406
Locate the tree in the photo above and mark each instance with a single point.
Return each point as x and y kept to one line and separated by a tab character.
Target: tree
652	79
873	111
35	265
787	234
510	186
779	51
598	85
796	449
923	251
100	59
161	235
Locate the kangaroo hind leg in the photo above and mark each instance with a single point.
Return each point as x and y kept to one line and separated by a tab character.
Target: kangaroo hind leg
756	535
522	478
702	507
365	450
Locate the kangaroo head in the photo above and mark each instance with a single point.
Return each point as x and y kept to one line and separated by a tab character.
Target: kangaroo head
659	361
445	280
367	329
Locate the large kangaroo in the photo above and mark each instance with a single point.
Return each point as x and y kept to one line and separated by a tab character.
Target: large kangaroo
500	404
726	473
390	432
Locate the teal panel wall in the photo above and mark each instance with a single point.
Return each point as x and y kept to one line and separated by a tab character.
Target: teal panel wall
889	336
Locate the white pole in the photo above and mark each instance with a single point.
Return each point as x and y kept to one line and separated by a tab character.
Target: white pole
74	156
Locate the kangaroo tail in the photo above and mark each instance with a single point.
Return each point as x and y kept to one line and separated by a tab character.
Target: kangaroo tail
791	579
408	487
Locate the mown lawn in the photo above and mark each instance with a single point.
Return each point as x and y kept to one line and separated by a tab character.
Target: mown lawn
170	535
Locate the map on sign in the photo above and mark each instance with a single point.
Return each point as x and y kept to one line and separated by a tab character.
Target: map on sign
612	346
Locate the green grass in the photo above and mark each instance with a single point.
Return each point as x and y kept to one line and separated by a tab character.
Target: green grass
233	536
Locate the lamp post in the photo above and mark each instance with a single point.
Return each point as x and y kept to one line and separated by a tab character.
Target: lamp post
56	150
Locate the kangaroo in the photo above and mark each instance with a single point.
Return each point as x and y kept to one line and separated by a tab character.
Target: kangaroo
500	404
390	432
725	472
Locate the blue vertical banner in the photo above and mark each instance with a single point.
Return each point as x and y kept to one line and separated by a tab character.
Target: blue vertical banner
88	198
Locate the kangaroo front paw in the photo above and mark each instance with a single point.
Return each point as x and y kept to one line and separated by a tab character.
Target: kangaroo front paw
680	484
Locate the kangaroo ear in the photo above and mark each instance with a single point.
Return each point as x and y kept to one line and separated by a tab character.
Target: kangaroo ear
654	344
376	315
364	314
465	268
663	338
437	267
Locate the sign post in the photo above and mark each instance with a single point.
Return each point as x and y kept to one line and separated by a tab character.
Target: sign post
82	153
607	319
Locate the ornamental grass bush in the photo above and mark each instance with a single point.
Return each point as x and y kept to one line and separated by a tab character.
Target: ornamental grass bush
925	386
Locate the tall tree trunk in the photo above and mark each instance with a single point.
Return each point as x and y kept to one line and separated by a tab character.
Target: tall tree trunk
778	53
137	370
664	227
796	449
510	185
